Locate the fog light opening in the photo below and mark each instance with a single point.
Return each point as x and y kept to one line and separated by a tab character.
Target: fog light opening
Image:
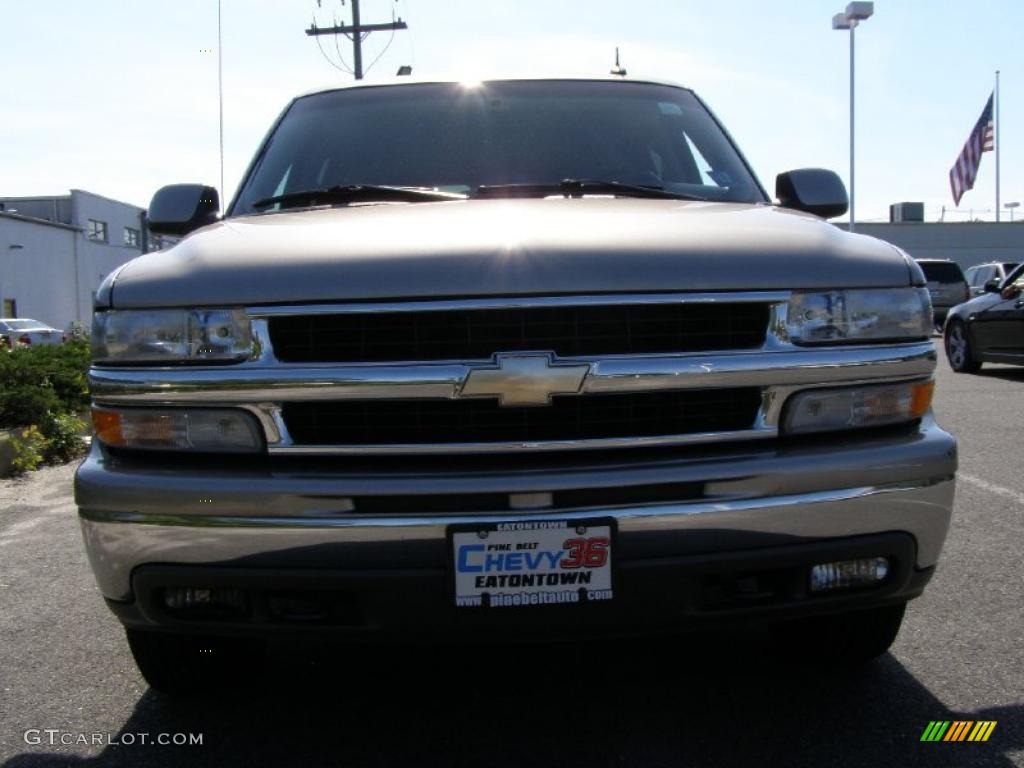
849	574
205	602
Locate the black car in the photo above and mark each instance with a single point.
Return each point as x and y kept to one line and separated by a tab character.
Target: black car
989	328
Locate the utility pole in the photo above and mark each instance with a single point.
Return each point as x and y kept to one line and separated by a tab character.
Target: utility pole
356	32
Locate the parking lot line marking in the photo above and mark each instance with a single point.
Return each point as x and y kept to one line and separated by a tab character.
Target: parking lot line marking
999	490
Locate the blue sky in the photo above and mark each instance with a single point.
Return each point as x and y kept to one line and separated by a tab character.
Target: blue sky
120	98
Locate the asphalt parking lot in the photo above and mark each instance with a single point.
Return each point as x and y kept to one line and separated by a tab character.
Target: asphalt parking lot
698	701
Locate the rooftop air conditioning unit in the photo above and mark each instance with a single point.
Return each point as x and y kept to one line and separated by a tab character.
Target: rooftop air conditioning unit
901	212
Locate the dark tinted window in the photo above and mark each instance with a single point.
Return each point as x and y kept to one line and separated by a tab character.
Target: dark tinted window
1009	266
458	137
942	272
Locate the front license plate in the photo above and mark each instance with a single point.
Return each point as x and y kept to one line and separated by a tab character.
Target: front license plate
536	562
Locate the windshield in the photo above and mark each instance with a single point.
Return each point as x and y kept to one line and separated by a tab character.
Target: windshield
21	325
942	272
1016	276
456	138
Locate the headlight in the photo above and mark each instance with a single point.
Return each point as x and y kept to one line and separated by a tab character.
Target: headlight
170	335
827	410
200	429
834	317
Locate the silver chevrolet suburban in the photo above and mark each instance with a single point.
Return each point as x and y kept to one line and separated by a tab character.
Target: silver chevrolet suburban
523	358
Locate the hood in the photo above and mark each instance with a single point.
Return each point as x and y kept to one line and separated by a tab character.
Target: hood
502	248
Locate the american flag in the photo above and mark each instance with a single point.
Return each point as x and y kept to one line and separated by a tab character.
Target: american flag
982	139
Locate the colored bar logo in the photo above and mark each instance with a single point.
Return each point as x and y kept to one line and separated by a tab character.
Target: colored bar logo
958	730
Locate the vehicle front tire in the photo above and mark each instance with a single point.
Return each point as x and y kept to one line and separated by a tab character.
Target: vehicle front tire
959	350
193	665
847	639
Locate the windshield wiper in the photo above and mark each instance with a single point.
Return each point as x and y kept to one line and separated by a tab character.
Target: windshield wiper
356	193
580	187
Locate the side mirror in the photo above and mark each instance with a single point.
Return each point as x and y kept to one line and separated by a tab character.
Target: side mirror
180	208
992	286
813	190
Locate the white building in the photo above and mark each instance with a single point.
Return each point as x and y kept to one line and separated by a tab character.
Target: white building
54	251
967	243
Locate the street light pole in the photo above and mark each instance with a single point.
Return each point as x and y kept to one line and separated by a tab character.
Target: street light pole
854	14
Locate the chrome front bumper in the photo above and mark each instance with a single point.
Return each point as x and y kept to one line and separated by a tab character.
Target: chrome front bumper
755	497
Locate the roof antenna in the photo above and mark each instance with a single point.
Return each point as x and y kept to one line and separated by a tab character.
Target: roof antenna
618	70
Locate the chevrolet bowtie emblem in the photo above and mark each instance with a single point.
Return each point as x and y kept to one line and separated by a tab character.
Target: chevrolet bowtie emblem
525	379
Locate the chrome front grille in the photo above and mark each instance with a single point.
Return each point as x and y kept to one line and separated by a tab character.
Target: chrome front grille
589	330
473	375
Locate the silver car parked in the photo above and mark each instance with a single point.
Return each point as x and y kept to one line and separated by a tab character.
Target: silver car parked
981	274
946	285
26	332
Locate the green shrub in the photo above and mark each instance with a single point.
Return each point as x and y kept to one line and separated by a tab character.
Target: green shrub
63	433
42	388
27	404
29	451
38	381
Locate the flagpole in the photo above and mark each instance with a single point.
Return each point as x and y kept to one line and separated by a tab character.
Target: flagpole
997	142
220	99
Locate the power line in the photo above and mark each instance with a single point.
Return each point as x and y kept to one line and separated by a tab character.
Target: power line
327	58
384	49
357	32
337	49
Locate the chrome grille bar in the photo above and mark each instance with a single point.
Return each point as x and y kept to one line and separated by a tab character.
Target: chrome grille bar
249	383
516	302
